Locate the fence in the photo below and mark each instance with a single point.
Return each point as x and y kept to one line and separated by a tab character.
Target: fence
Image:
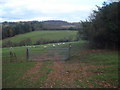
37	54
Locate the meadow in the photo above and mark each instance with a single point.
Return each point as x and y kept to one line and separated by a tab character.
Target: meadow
85	68
43	35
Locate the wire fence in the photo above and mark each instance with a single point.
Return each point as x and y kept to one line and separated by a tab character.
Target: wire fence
37	54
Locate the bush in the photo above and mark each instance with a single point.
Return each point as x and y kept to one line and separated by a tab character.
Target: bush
25	42
41	41
8	44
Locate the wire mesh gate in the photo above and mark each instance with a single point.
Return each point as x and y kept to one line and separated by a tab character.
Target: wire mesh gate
37	54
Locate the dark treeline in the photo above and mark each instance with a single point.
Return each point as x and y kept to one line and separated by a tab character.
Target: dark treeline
10	29
102	29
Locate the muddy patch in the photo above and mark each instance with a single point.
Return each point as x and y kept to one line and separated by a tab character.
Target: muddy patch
32	73
65	75
92	51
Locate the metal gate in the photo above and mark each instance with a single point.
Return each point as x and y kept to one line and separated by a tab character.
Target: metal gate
37	54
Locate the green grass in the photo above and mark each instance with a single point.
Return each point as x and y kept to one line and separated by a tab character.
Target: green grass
106	58
108	72
105	68
44	71
21	51
13	71
27	83
45	35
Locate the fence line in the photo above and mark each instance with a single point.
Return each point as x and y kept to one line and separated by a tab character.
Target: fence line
37	54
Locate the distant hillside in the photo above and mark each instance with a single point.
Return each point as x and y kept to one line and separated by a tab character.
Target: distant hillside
10	29
57	24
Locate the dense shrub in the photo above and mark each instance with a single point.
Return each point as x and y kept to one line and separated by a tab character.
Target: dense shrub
41	41
25	42
8	44
102	29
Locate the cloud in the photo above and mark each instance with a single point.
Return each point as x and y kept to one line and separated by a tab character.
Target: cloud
47	9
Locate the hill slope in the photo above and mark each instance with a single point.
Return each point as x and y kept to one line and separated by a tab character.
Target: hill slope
10	29
44	36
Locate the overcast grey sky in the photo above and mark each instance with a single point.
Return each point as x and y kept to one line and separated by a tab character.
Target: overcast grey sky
28	10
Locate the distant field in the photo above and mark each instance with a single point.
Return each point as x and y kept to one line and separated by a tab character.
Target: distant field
45	35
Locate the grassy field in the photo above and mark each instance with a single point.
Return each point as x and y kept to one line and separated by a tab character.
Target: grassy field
87	68
21	51
45	35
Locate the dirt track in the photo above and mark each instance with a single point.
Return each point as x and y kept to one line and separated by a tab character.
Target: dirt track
65	74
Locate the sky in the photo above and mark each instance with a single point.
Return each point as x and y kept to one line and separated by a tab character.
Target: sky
41	10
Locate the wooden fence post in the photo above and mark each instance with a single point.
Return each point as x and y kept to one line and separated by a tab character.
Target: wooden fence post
69	50
10	56
27	54
15	57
